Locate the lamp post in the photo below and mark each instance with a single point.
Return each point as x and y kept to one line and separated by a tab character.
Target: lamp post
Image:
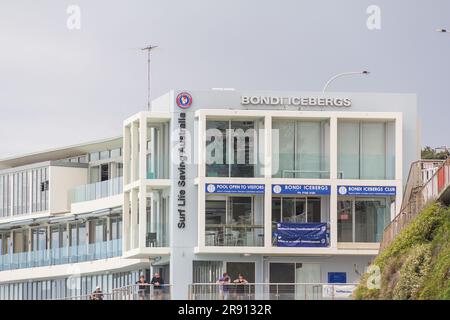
442	30
342	75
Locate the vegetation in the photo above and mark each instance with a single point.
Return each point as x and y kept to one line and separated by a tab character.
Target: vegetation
429	154
416	265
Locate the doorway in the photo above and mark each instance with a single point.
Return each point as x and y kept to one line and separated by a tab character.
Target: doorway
303	277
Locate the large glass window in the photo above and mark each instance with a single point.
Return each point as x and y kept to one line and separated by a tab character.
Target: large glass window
231	148
366	150
363	219
300	149
233	221
294	209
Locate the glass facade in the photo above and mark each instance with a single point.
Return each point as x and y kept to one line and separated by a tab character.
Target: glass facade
300	149
234	221
299	209
366	150
24	192
157	222
70	242
363	219
231	148
68	286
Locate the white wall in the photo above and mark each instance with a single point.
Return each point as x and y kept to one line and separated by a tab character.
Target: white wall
63	179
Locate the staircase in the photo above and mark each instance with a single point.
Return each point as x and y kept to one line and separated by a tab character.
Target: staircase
428	180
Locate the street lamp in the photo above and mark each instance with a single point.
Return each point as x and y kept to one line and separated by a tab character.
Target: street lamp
442	30
341	75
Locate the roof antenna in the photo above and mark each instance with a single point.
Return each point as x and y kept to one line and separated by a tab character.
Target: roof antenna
148	49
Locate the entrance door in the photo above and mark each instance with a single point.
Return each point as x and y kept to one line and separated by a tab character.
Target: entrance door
306	275
280	277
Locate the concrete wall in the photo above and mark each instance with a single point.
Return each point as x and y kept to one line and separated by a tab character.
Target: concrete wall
62	180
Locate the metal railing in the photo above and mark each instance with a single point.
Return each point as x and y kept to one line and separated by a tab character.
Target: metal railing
92	296
131	292
271	291
56	256
418	199
98	190
143	292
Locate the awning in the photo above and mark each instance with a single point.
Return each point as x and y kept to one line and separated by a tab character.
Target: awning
61	219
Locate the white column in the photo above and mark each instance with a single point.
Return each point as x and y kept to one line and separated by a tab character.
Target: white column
201	145
126	154
126	229
334	180
133	218
268	184
201	213
142	181
201	175
142	217
143	148
398	162
399	147
134	152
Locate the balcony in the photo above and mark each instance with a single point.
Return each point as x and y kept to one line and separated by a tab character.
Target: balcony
96	190
234	235
271	291
56	256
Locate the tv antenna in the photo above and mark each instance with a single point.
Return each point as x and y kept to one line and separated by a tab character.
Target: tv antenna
148	49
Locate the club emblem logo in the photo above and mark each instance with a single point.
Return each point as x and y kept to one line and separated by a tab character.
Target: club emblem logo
184	100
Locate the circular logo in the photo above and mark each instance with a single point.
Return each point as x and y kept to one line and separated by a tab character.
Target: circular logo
342	190
184	100
276	189
211	188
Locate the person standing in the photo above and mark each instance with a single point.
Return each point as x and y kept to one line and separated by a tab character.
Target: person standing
224	287
97	294
158	285
241	284
143	288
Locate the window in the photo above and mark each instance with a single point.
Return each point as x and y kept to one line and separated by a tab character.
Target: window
115	153
297	209
104	155
231	148
95	156
300	149
366	150
231	221
363	219
104	172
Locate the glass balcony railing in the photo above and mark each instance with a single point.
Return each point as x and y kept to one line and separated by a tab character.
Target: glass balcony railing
96	190
55	256
305	166
157	235
371	167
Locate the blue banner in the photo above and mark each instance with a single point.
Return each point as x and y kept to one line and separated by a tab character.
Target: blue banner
234	188
367	190
302	235
304	189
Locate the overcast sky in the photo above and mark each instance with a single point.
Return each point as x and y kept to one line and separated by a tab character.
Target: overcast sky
60	87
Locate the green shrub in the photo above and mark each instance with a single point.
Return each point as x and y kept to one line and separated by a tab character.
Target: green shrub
416	265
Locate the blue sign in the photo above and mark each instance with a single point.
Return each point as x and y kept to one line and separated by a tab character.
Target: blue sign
304	189
337	277
302	235
234	188
367	190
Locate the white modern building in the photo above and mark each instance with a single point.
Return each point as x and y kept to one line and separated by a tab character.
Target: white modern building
283	187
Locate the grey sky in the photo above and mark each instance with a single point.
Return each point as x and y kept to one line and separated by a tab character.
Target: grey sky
60	87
